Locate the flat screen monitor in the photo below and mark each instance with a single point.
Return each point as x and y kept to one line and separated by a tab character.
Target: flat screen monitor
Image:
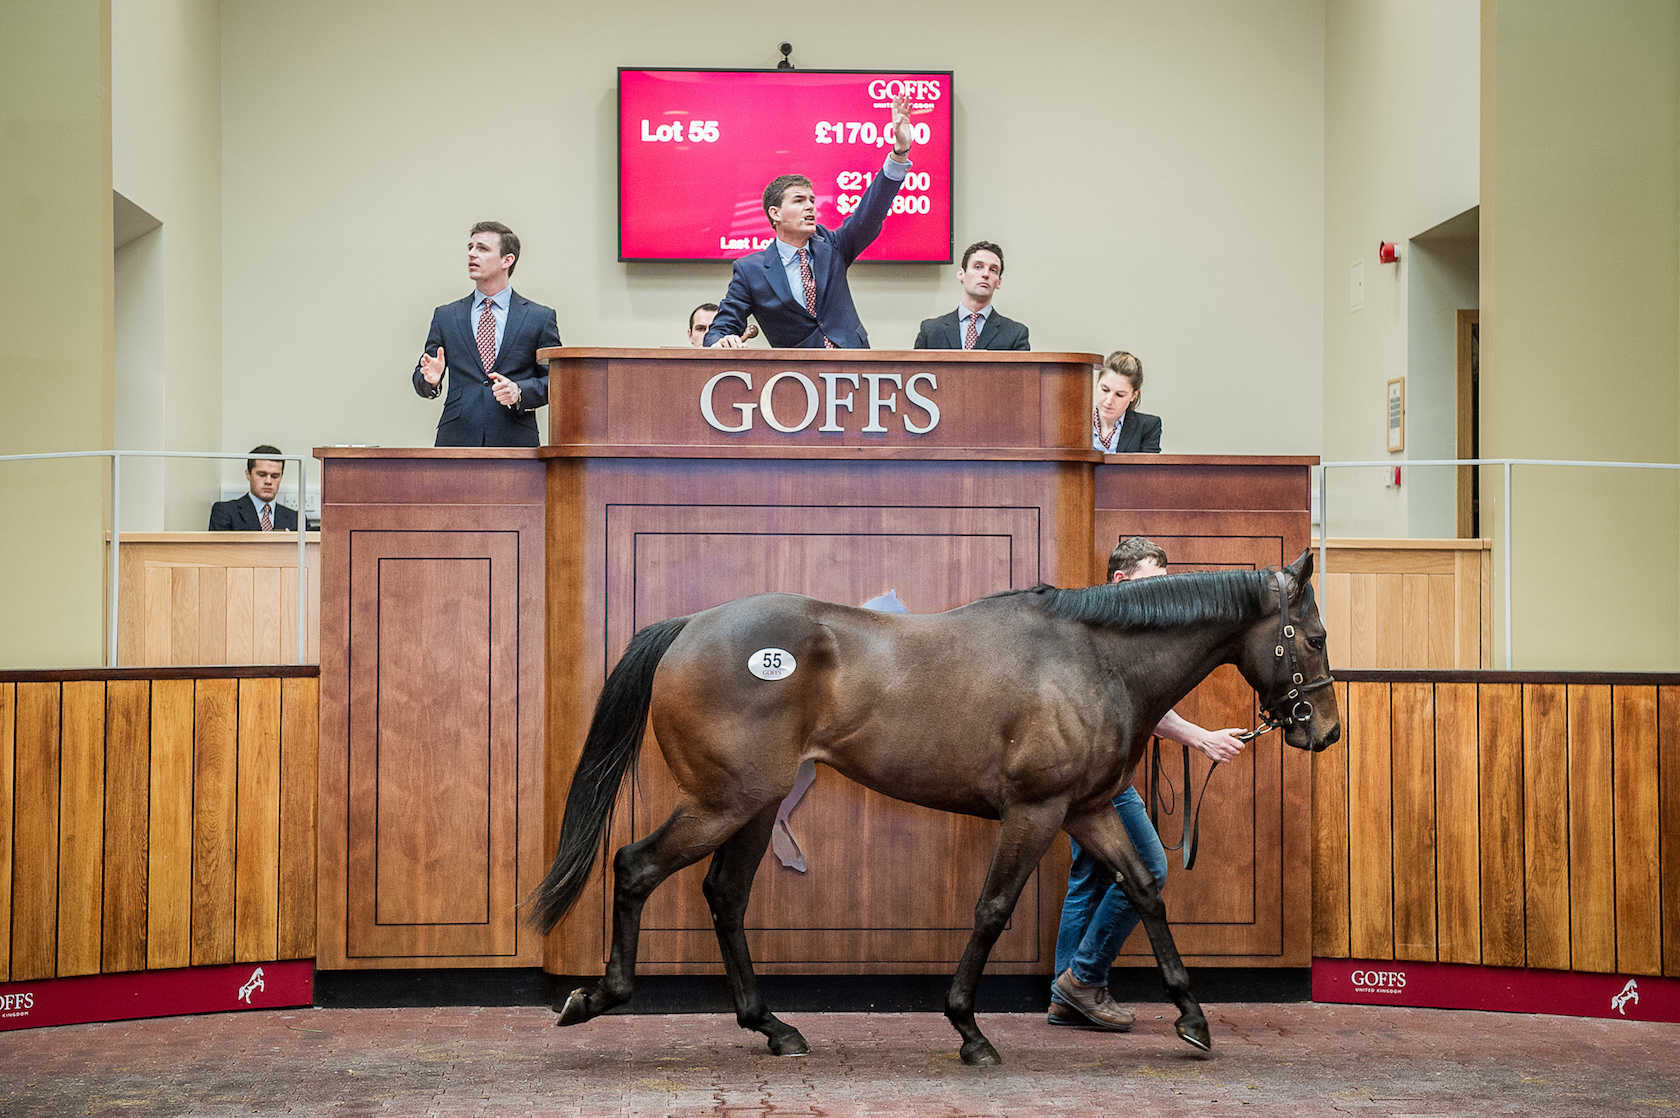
696	149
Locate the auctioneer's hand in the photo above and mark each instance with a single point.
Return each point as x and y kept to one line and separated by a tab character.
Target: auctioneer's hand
903	133
504	390
432	367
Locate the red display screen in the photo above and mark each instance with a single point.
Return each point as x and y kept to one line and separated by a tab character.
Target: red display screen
696	149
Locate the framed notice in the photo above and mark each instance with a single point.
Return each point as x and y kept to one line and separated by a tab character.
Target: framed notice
1397	414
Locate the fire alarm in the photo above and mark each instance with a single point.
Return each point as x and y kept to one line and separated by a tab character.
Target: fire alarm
1388	253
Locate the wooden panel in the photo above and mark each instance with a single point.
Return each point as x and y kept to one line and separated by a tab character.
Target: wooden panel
1330	843
1412	726
1391	621
1457	842
212	615
1338	620
1416	638
1362	623
256	921
1668	812
81	835
1467	610
1379	560
1441	621
215	802
241	614
1499	719
35	843
159	596
299	754
1546	824
127	787
265	615
183	621
1592	841
1637	832
169	846
8	724
1370	834
1487	609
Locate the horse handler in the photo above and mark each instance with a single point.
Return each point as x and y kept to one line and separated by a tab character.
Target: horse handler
1096	917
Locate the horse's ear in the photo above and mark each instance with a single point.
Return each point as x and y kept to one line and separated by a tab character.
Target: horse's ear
1301	570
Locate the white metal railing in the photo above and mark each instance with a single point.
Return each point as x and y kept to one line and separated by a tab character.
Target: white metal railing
115	575
1324	469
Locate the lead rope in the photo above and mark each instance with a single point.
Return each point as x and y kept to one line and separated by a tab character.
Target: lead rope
1189	839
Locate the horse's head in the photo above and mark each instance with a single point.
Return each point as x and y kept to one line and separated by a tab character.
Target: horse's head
1284	659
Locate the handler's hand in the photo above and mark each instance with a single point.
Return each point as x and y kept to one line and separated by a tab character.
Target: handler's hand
728	341
432	367
1220	745
506	392
903	134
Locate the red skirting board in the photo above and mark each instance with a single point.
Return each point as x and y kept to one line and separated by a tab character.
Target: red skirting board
1505	989
158	993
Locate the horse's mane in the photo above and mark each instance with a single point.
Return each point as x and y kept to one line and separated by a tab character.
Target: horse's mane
1159	603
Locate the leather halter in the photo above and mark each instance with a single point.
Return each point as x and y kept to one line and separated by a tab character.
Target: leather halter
1272	713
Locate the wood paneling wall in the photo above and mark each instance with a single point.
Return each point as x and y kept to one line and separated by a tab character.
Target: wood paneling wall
1501	818
214	598
151	823
1408	603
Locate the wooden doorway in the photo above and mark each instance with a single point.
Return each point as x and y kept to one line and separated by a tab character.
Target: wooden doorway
1469	422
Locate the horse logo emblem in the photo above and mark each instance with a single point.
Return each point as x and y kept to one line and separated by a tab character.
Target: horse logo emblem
252	985
1630	993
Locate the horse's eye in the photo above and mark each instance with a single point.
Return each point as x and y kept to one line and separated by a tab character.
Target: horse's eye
1316	643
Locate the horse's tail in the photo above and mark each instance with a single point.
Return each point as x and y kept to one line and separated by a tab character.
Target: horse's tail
615	738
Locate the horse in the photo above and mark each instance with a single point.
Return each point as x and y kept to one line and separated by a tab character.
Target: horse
1028	706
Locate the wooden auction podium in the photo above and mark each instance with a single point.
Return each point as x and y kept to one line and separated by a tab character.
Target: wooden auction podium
474	600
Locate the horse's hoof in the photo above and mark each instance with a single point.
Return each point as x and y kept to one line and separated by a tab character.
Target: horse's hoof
576	1009
980	1054
789	1043
1195	1033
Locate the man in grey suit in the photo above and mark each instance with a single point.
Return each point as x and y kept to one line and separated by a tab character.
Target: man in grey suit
487	343
974	324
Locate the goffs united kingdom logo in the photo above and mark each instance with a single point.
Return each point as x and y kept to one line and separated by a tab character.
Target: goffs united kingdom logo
1630	993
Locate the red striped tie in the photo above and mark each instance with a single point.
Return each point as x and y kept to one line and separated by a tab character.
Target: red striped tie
487	338
973	334
810	280
266	521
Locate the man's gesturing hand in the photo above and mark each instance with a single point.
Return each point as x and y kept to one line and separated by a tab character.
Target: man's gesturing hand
903	133
506	392
432	367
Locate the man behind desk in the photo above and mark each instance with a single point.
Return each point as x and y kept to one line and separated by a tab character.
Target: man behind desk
495	382
796	288
974	324
257	511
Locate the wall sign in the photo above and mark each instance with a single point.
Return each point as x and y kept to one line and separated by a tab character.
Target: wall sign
1397	414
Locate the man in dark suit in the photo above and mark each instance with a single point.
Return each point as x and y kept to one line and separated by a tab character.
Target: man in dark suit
974	324
796	288
257	511
495	383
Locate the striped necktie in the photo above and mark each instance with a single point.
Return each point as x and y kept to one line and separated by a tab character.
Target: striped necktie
265	520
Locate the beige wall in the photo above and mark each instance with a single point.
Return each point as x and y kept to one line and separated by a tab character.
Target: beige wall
1401	95
1154	172
55	302
167	159
1580	274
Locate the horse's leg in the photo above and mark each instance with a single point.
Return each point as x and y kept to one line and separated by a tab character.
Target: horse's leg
728	886
686	837
1022	841
1102	833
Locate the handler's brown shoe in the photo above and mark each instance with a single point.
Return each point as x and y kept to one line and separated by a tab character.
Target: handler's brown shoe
1094	1003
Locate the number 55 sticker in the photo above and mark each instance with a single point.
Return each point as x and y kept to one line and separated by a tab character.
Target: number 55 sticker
771	663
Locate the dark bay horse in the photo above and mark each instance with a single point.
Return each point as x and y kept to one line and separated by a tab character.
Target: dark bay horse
1031	707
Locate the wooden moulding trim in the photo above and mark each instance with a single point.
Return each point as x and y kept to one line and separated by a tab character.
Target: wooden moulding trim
277	537
1211	460
815	356
480	452
1409	545
195	671
841	453
1448	675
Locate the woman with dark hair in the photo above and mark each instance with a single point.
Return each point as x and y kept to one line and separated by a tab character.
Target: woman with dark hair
1117	427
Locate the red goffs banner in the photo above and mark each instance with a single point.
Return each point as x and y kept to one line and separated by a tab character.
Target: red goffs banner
1506	989
159	993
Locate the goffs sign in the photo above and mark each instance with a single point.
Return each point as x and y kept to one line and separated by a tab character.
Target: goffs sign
882	401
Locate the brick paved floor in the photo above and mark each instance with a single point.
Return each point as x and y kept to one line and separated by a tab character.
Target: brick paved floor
1269	1059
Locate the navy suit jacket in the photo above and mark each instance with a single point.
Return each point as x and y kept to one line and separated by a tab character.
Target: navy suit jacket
471	415
998	333
1140	434
759	285
240	515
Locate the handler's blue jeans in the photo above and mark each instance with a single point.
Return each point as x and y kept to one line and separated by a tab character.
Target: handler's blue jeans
1096	917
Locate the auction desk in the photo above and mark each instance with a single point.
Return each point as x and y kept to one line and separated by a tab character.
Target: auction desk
473	601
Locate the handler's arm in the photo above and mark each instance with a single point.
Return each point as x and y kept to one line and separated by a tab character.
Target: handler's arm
1219	745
